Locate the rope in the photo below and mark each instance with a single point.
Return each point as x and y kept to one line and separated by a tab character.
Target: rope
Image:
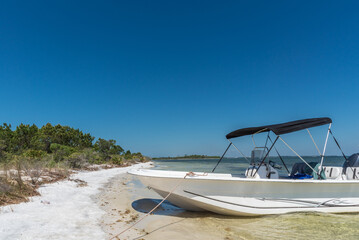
191	174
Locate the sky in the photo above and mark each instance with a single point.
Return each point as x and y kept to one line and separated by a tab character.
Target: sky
168	78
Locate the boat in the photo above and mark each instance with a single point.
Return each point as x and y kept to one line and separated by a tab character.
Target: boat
261	190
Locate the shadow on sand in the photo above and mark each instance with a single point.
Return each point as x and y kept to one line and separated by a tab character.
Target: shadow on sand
145	205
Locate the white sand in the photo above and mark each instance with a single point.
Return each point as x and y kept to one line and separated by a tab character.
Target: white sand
63	211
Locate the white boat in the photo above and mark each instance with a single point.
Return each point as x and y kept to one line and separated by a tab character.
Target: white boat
261	190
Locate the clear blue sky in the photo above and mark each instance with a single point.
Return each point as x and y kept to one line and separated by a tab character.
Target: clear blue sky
173	77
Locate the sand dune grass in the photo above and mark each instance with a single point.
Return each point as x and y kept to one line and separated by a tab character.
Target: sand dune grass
20	179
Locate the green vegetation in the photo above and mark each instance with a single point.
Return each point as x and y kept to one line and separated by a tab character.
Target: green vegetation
187	157
27	153
60	144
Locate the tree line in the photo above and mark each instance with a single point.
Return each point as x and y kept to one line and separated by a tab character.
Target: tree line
57	143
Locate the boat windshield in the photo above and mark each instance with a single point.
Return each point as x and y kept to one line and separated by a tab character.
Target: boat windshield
258	154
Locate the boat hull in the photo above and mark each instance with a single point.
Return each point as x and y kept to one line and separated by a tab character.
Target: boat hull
233	195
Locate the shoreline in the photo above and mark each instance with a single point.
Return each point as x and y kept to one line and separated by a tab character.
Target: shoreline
31	181
124	200
64	210
159	159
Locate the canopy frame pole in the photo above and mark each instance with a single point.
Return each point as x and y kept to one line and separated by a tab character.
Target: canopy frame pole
222	157
325	146
265	145
280	157
346	159
254	143
315	144
299	156
239	151
266	155
338	145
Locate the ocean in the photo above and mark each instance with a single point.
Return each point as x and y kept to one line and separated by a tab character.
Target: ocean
287	226
237	165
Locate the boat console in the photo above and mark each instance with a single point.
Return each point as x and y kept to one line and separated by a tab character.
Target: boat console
258	170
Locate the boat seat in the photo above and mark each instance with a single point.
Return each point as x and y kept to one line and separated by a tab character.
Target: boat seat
352	173
263	172
251	172
332	172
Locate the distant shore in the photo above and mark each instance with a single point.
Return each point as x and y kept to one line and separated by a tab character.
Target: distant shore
186	157
217	157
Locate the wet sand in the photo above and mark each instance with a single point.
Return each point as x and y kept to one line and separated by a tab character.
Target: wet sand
125	199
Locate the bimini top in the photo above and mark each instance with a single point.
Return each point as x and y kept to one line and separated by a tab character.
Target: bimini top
282	128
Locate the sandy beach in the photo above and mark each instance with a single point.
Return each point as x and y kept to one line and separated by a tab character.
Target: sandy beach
64	210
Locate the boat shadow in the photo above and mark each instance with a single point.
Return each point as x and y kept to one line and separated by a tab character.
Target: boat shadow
145	205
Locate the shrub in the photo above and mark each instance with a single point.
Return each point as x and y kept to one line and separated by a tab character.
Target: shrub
32	153
61	151
33	169
77	160
116	159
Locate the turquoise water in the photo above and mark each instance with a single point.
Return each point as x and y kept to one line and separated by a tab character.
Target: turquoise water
288	226
236	165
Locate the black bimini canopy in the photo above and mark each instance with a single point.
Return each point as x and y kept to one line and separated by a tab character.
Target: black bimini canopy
282	128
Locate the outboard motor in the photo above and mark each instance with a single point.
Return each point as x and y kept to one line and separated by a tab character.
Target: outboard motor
352	161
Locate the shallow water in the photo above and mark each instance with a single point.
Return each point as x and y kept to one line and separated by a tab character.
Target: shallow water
288	226
237	165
